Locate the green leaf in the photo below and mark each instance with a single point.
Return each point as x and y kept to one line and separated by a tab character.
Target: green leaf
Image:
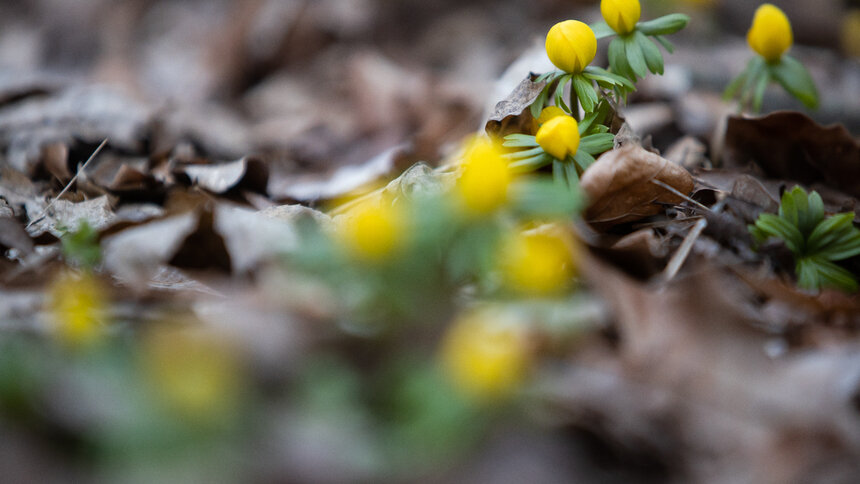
816	208
594	144
788	207
558	174
848	245
550	76
523	153
540	102
601	30
665	25
570	170
807	274
618	58
585	93
530	164
518	140
583	160
828	231
792	76
653	57
559	93
665	43
733	86
541	197
781	228
758	95
635	57
832	275
602	75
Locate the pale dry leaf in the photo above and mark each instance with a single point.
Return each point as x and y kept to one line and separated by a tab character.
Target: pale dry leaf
135	255
64	216
620	189
220	178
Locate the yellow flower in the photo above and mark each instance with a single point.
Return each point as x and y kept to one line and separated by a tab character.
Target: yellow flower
77	304
485	358
483	183
538	262
550	112
195	375
571	45
372	231
621	15
770	35
559	137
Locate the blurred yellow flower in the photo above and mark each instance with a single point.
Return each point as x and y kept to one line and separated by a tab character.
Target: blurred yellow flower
483	183
484	357
539	262
372	231
621	15
850	33
195	375
559	136
571	45
77	304
770	35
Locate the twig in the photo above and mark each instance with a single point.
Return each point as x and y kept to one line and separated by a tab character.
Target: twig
684	250
80	170
676	192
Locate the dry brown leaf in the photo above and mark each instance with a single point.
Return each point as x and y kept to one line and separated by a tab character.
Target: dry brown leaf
790	145
512	115
620	185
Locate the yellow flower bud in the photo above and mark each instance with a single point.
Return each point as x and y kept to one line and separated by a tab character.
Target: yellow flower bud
621	15
571	45
483	183
373	230
77	305
485	357
538	263
770	35
559	137
550	112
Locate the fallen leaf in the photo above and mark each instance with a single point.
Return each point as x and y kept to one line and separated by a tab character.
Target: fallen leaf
620	189
790	145
251	237
137	254
512	115
222	177
63	216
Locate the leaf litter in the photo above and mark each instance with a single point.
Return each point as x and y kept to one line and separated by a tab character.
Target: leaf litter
702	362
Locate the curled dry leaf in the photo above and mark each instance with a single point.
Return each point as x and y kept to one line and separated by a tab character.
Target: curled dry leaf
790	145
620	185
220	178
512	114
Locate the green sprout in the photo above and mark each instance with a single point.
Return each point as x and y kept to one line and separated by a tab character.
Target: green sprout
816	241
81	246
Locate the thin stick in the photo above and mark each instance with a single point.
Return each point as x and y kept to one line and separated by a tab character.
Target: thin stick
681	254
80	170
676	192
